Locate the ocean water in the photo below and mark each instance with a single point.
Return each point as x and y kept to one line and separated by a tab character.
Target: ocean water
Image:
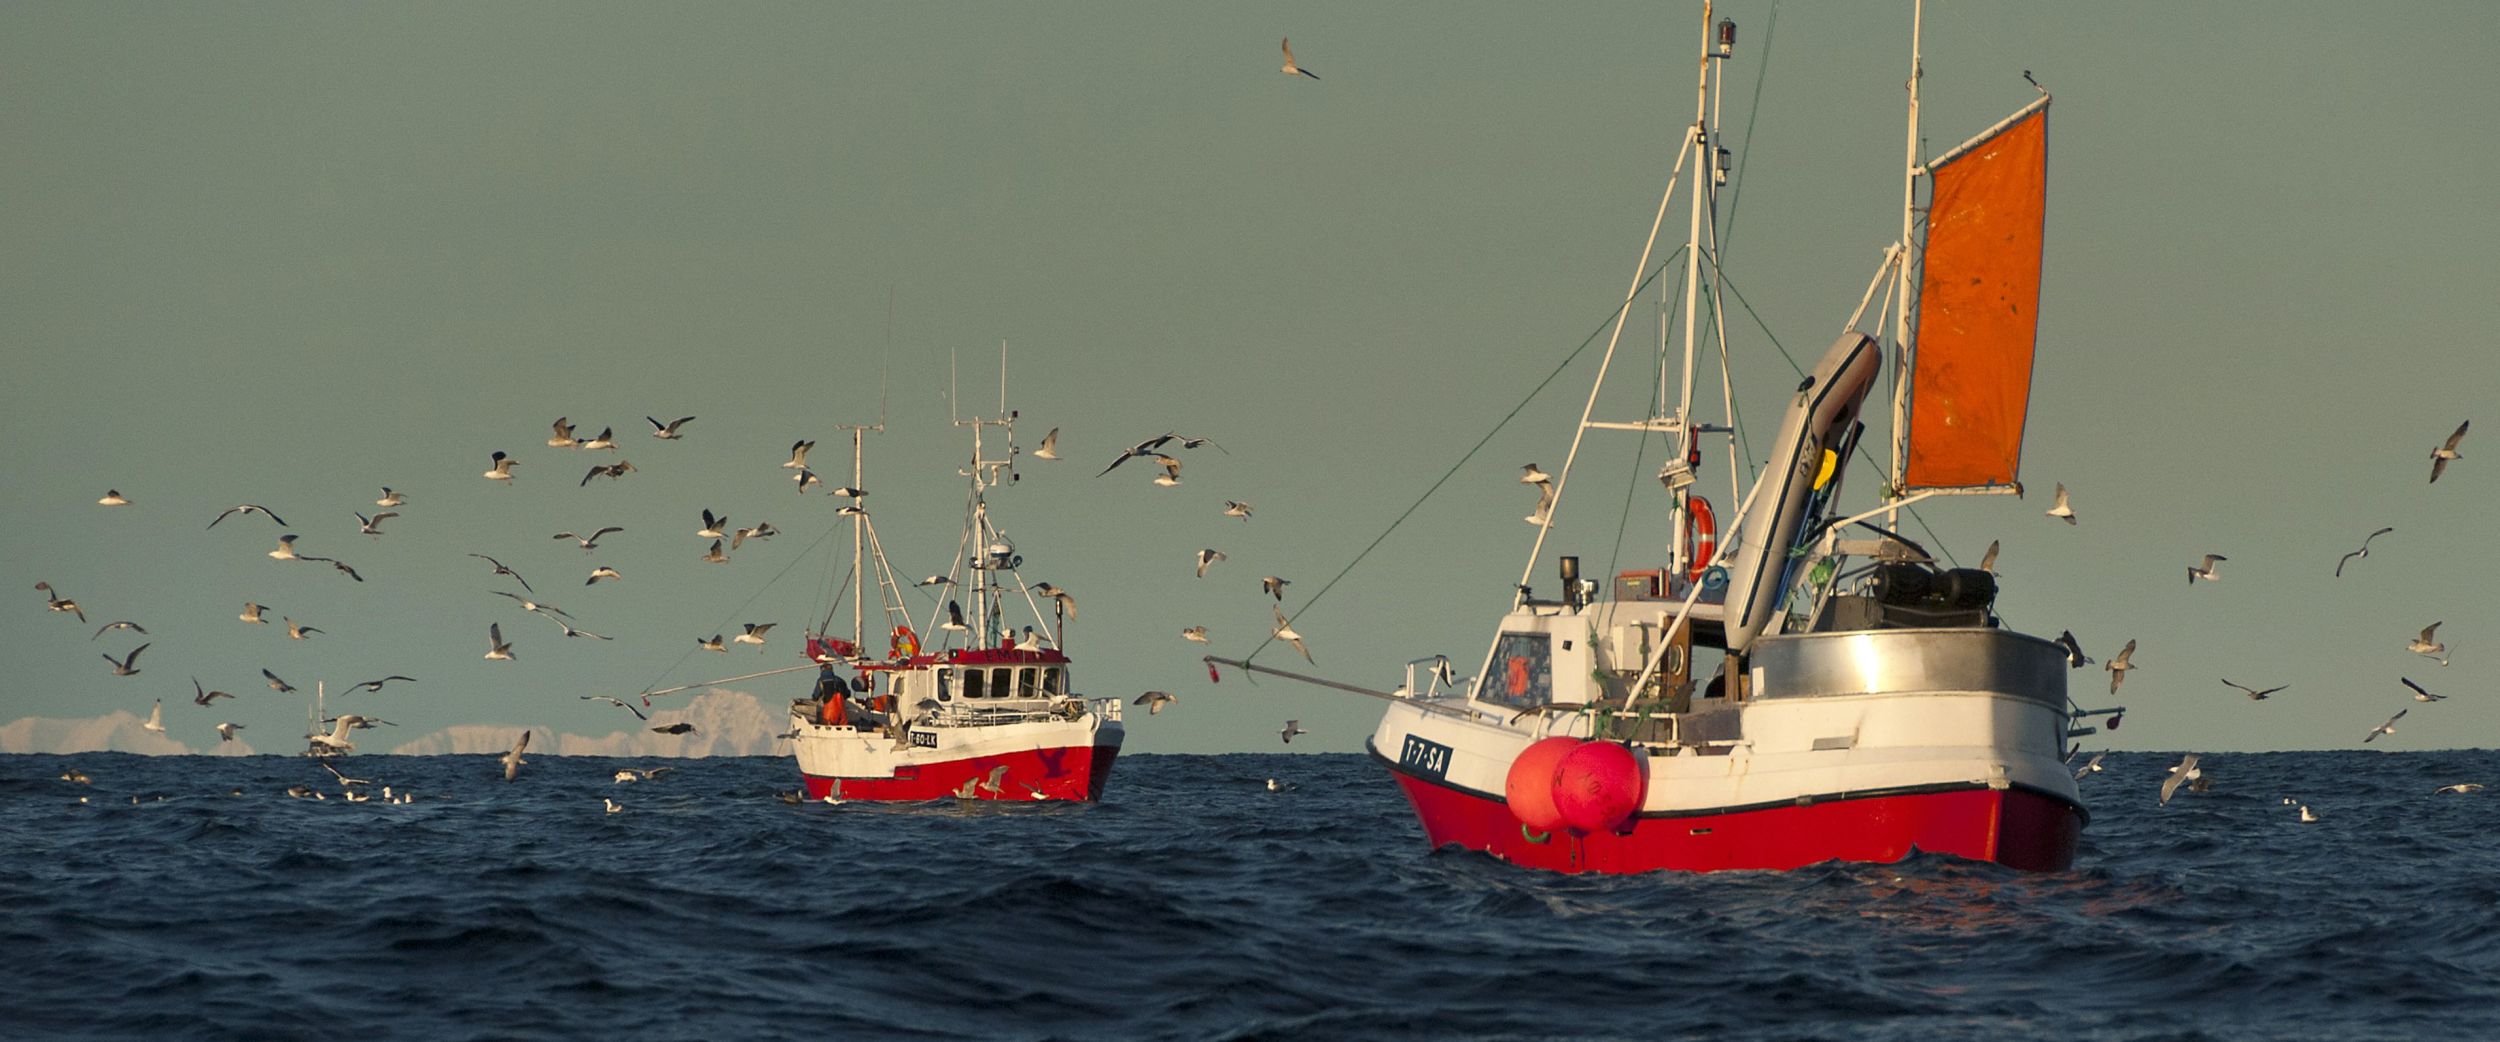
1193	903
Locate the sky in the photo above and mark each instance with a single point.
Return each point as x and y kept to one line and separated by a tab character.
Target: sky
288	254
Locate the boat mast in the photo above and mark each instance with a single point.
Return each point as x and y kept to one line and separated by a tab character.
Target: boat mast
990	552
1904	346
859	524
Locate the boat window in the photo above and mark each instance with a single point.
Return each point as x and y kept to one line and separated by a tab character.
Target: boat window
942	682
1053	684
972	683
1002	682
1027	684
1523	672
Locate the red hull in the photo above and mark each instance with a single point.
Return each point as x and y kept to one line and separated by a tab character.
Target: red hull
2017	828
1076	773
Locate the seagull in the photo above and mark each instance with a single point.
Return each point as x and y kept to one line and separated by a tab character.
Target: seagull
1290	68
2092	766
605	439
2420	695
497	649
2427	647
667	431
298	631
1154	701
2119	666
75	775
805	478
512	761
1284	632
798	454
247	508
589	542
713	644
372	526
2253	694
529	605
376	685
502	470
2386	728
1194	634
1171	476
203	696
602	572
127	664
615	470
1065	603
337	740
2307	816
563	437
2459	788
2075	658
1148	447
937	580
113	498
754	634
2186	771
2441	455
156	717
123	625
2061	511
2206	571
1274	587
277	685
1237	509
714	555
500	569
345	782
632	775
2363	552
954	618
335	563
1208	557
1988	561
225	732
286	548
1050	446
1544	513
54	602
1531	474
638	714
613	806
251	614
1292	728
680	727
571	630
390	498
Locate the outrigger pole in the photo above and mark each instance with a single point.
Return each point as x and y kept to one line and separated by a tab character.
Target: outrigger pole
724	680
1348	688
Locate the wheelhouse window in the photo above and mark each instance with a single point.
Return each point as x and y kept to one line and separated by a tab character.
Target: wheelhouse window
1523	672
1054	682
1002	681
972	683
1028	683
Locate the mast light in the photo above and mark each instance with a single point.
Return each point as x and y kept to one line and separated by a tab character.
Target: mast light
1727	37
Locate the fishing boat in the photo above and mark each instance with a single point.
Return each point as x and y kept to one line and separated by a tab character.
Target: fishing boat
974	709
1807	685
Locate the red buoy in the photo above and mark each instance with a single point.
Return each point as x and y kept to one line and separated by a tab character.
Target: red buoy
1530	786
1598	786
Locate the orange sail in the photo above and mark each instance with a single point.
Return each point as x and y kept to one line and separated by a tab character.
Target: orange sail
1978	307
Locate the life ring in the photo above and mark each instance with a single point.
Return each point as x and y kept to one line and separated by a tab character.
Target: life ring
906	643
1701	533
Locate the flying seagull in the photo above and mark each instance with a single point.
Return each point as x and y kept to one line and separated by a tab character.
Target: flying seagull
2420	695
122	625
1285	632
376	685
2253	694
615	470
2185	772
298	631
500	569
1292	69
2363	552
127	665
680	727
334	563
591	541
2386	728
1237	509
563	437
277	685
2448	451
529	605
1988	561
1050	446
2075	658
713	644
2061	511
502	470
754	634
1063	602
2205	571
345	782
2093	766
390	497
225	732
1154	701
602	572
2119	666
286	548
715	555
2427	646
1292	728
203	696
54	602
571	630
1208	557
156	716
512	761
1194	634
667	431
247	508
113	498
372	525
630	774
251	614
1532	474
2459	788
628	706
497	649
605	439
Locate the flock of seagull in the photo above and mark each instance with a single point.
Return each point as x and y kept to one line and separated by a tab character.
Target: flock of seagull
2188	772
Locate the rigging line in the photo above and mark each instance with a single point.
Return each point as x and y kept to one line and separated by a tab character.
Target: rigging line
1514	412
1640	454
723	622
1860	454
1736	183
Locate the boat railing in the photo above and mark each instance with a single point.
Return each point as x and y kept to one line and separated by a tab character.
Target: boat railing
960	715
1108	709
